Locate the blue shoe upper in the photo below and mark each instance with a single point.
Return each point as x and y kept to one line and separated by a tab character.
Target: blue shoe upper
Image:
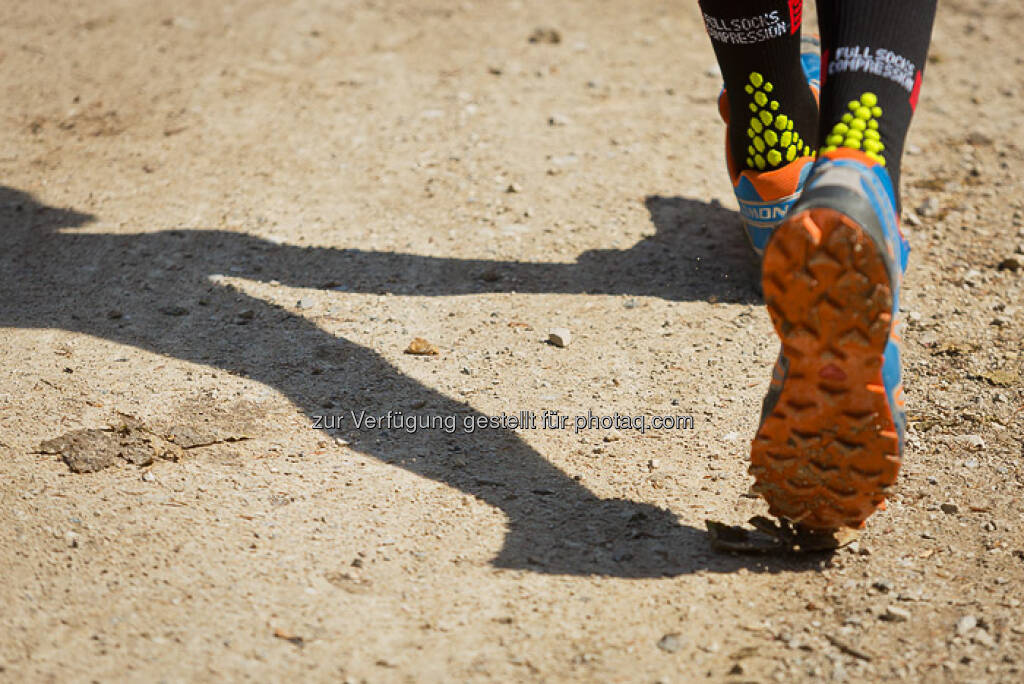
761	216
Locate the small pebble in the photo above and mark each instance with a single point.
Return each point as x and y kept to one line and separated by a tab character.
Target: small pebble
670	643
949	508
928	208
895	614
1011	263
970	441
148	476
560	337
546	34
965	624
883	585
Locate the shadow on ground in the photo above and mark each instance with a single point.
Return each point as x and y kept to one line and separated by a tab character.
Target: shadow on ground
555	524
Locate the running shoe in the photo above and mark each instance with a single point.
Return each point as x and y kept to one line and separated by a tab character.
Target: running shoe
830	440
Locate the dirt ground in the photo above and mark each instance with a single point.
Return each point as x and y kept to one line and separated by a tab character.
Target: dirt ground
221	220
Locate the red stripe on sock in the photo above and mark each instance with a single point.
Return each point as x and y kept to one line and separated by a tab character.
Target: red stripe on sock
796	15
824	67
916	92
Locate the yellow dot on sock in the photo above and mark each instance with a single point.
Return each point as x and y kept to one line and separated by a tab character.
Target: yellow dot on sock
759	162
872	146
807	151
872	135
759	144
750	162
766	117
869	99
781	121
847	118
775	106
768	87
751	133
786	140
757	79
774	157
789	125
756	124
873	125
830	148
753	107
855	134
760	98
851	143
834	139
881	147
750	150
840	128
876	112
791	153
750	89
858	125
853	105
771	137
863	113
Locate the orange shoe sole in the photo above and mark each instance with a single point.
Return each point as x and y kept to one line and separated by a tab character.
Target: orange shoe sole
828	450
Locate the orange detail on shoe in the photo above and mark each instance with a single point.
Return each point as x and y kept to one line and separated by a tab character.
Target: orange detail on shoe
832	372
770	185
828	451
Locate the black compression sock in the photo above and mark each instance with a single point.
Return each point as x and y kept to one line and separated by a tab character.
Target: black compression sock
773	118
873	55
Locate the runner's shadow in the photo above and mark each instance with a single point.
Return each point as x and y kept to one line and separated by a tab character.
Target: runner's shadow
123	286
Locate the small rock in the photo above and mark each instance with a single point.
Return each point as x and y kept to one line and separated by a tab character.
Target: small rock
148	476
713	71
736	669
930	207
1011	263
883	585
421	347
114	314
982	637
965	624
173	310
949	508
559	120
546	35
970	441
913	149
560	337
978	139
913	219
895	614
514	188
670	643
653	464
